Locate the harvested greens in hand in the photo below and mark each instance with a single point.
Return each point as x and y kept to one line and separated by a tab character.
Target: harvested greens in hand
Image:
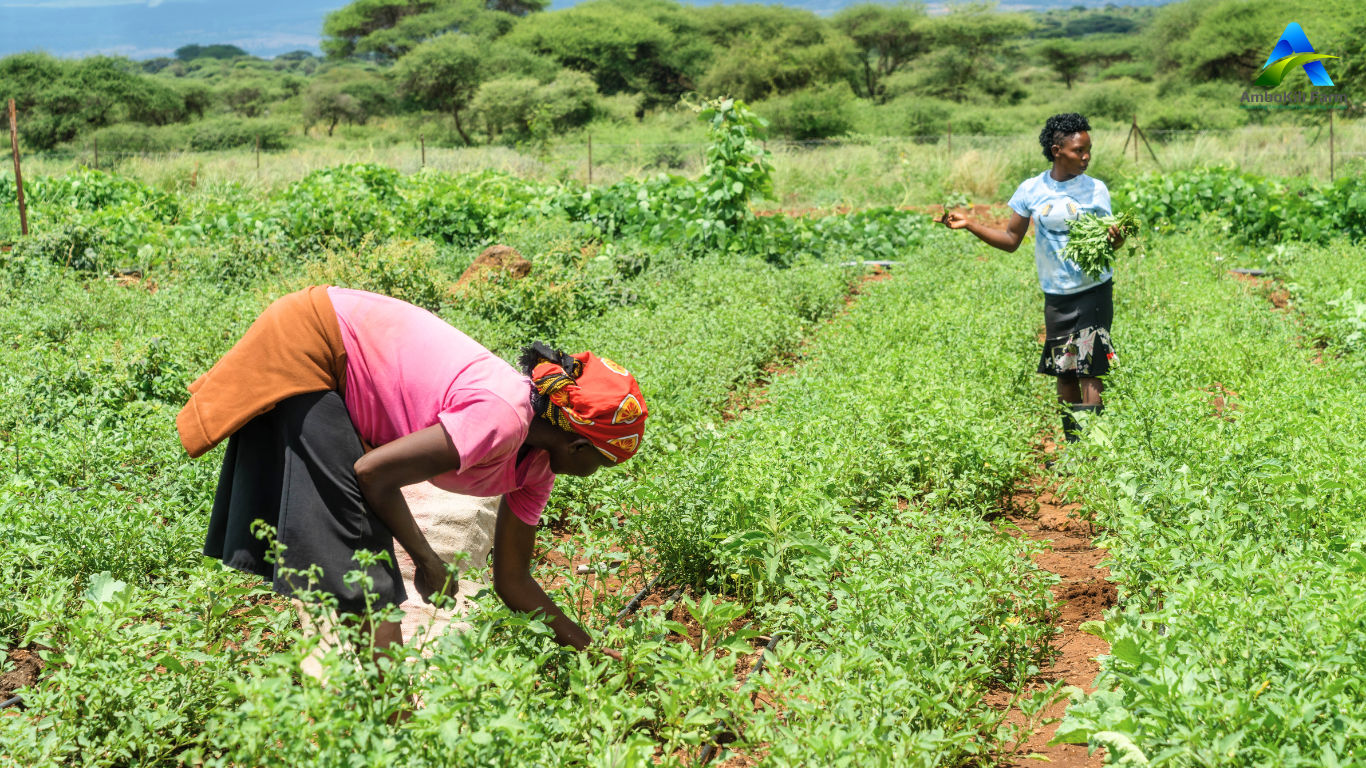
1088	240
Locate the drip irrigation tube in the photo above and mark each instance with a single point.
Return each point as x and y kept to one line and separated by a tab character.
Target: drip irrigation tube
635	601
17	701
883	264
727	737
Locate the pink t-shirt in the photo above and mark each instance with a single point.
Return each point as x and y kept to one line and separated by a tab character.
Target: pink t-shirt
407	369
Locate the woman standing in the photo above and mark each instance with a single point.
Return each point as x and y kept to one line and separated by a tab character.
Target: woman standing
326	373
1078	308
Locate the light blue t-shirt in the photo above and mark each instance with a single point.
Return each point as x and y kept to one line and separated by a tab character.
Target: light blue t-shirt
1052	204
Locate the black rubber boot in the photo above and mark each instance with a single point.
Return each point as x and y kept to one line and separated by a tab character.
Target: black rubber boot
1070	431
1071	428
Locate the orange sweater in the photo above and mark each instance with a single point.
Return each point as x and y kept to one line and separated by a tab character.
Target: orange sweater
294	347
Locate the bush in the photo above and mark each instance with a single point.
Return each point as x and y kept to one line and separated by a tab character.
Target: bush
234	133
1115	101
1189	114
1138	70
402	269
205	136
814	113
523	108
620	108
74	246
913	116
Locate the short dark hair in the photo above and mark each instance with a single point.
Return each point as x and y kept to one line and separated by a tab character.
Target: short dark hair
1058	128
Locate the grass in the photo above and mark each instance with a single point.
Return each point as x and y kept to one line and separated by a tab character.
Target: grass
880	171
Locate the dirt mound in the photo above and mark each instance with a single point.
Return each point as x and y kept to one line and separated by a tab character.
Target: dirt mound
24	667
496	259
1086	599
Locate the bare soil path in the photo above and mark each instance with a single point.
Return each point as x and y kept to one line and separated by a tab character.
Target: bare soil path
1084	591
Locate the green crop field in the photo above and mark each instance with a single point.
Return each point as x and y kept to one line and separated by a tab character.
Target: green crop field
832	463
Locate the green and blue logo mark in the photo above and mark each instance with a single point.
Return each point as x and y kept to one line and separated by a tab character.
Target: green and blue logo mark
1292	50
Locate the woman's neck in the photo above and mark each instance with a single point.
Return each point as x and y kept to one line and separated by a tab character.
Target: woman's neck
1059	174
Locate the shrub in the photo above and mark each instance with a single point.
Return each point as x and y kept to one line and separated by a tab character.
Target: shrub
814	113
524	108
205	136
1115	101
75	246
402	269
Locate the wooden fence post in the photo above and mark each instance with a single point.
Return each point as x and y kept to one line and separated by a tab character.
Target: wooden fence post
1332	171
18	175
1144	136
590	158
422	139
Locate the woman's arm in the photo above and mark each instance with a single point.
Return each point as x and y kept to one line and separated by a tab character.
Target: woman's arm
384	471
513	544
1008	240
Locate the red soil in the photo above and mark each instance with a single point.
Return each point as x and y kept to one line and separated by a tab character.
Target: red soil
1084	592
24	666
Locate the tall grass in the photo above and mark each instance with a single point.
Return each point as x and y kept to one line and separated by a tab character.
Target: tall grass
855	173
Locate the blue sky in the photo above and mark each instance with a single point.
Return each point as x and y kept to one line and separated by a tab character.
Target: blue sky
157	27
143	29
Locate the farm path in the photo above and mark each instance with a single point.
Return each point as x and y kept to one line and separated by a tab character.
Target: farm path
1084	591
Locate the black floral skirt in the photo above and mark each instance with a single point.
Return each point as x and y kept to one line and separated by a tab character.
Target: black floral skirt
1077	333
293	467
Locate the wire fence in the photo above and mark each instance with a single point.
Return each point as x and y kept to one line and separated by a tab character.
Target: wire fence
850	170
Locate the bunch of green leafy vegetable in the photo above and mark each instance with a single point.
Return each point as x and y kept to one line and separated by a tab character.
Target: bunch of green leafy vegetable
1088	240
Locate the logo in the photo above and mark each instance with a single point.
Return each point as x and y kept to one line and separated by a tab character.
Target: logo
1293	50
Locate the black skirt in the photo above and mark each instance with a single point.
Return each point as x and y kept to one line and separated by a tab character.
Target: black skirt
293	468
1077	333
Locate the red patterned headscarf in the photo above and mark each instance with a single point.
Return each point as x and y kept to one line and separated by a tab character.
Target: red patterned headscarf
594	397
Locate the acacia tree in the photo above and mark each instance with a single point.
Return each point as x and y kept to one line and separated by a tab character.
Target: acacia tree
1064	58
888	35
387	29
443	74
966	42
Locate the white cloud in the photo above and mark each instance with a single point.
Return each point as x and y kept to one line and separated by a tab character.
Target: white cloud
273	41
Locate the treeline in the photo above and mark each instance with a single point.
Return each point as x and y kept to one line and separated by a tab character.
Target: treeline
509	71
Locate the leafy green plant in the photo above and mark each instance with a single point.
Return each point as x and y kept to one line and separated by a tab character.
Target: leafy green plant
1088	240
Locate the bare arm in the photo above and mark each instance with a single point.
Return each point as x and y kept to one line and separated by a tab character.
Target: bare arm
382	474
1007	240
513	544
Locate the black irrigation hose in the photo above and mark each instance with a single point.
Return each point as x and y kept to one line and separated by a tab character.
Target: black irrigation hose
727	738
635	601
17	701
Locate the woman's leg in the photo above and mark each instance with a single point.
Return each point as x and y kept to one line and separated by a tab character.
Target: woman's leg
388	634
1090	389
1069	390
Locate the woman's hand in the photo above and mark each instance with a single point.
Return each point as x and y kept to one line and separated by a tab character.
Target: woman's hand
610	653
1116	238
513	544
384	471
434	578
955	220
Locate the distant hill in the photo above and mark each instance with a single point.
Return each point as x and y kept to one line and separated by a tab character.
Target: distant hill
261	27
